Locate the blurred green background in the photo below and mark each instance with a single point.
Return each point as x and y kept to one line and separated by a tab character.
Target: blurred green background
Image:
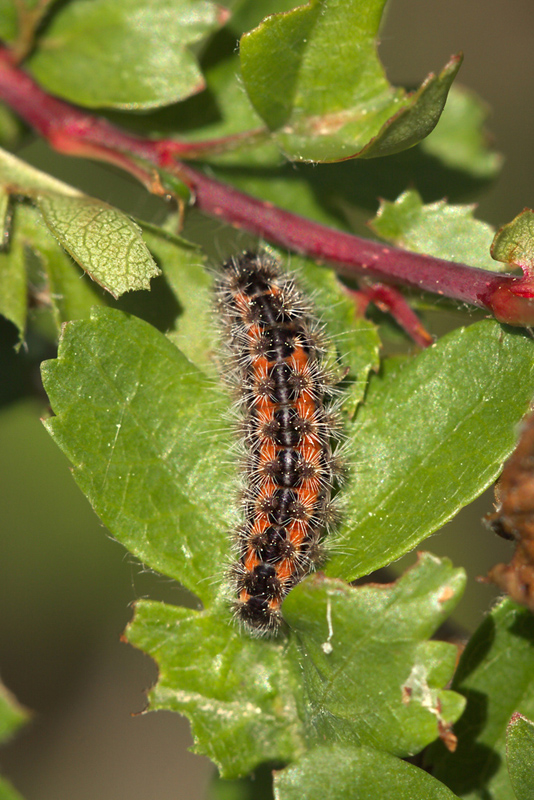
66	588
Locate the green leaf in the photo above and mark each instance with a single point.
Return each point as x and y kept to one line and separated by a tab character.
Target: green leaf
438	229
240	694
496	675
350	773
142	428
124	53
244	698
314	77
460	140
520	756
432	435
371	677
514	242
13	291
106	243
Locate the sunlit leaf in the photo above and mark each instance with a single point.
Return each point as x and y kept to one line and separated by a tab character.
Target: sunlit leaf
124	53
370	676
431	436
340	773
314	76
105	242
437	229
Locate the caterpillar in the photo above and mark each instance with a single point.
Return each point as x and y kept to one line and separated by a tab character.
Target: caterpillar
275	363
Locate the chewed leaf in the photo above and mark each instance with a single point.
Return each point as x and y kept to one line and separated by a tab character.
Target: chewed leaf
496	675
360	772
125	53
245	697
105	242
430	438
142	428
371	677
437	229
314	76
240	694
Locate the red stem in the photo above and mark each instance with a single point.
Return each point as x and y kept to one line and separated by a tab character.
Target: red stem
510	298
389	300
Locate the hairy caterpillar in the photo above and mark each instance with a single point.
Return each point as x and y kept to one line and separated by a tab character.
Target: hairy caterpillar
275	364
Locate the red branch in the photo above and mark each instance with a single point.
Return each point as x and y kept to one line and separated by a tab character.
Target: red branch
70	130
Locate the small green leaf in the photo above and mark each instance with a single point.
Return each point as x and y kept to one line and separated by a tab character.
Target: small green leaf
13	291
514	242
239	694
438	229
496	675
350	773
460	140
520	756
124	53
142	427
431	436
105	242
371	677
314	77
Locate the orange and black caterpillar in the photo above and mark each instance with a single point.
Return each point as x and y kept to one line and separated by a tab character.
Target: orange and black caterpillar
275	364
